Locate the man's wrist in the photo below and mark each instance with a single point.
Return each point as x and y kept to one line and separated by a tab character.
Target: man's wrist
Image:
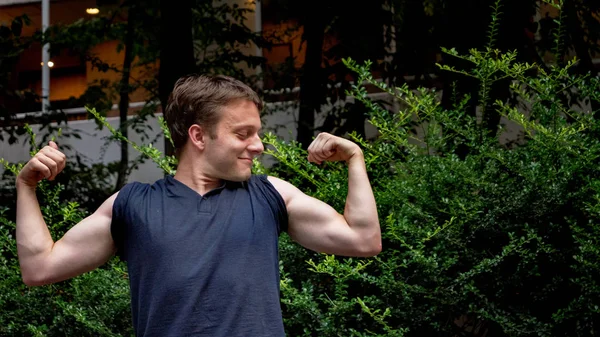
356	156
20	184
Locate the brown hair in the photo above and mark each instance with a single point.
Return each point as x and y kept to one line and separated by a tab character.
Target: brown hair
197	99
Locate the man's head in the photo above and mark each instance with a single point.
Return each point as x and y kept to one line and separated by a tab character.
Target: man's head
199	99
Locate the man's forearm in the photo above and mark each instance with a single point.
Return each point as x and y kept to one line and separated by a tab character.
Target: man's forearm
33	237
360	210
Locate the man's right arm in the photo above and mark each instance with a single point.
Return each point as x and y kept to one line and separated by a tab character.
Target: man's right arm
84	247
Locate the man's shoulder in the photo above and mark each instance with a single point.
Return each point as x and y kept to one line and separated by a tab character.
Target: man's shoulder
261	186
150	184
257	178
140	187
267	185
264	181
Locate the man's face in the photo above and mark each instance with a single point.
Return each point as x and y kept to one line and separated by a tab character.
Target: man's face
229	155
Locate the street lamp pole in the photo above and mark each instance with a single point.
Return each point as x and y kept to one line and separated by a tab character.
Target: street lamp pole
45	58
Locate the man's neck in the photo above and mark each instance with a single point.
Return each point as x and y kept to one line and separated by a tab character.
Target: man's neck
192	174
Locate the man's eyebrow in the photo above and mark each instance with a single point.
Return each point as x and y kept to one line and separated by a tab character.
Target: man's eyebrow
246	126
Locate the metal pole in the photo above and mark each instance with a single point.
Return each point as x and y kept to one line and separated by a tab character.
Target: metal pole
45	58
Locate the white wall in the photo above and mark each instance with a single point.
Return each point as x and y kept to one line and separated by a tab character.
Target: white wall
280	117
92	145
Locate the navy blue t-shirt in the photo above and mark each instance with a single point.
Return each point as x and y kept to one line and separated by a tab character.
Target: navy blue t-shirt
202	265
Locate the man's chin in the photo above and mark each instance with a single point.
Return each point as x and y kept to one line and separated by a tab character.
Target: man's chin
240	177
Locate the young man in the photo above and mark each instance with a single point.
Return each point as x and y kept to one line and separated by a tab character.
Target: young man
201	246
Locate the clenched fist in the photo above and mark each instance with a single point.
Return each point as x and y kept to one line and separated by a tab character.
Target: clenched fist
327	147
47	163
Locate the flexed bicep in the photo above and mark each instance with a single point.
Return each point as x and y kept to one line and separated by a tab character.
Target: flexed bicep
86	246
316	225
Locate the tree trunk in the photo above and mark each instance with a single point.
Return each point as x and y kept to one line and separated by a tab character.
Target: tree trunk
582	48
176	58
124	90
311	83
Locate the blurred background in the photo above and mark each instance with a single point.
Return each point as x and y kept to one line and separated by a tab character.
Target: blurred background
123	57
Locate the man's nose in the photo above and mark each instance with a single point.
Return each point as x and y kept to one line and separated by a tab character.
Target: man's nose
257	145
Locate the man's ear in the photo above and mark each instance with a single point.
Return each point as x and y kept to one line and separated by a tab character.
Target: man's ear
197	136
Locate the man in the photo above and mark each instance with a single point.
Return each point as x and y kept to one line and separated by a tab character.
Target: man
201	246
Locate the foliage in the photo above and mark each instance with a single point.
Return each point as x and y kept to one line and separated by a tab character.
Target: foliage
166	163
94	304
502	241
12	44
220	36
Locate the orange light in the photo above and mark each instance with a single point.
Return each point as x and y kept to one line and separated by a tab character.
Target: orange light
92	11
50	64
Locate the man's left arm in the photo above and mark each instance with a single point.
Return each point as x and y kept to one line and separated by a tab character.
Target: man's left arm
316	225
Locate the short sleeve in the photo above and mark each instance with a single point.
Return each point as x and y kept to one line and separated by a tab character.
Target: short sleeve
275	201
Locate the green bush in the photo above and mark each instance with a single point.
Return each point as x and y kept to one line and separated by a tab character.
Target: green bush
94	304
481	237
499	240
